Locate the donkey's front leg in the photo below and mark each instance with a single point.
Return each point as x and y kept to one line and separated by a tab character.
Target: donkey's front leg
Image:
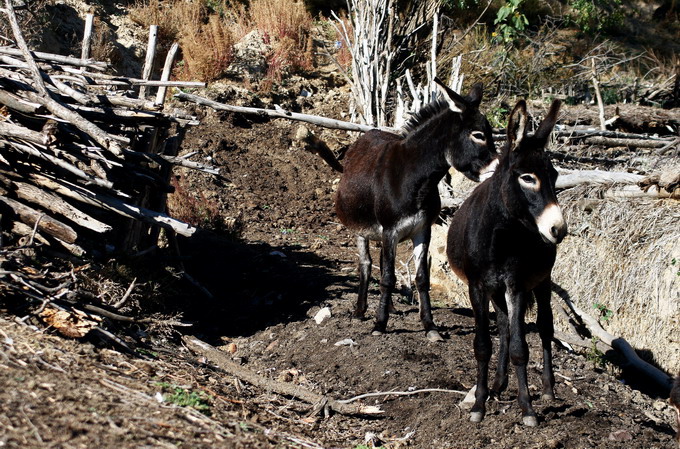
544	321
387	281
482	344
364	276
519	352
421	244
500	382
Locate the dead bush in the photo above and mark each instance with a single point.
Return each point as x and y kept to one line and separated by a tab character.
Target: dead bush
32	21
205	36
207	31
207	51
102	47
287	26
193	207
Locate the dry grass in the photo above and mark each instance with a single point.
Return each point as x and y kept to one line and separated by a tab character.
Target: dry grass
207	51
102	46
165	14
624	255
192	206
287	26
205	37
207	34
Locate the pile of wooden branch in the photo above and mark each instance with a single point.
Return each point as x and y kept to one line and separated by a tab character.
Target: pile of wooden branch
85	156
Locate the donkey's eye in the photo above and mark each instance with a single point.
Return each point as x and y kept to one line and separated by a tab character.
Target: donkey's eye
478	136
529	181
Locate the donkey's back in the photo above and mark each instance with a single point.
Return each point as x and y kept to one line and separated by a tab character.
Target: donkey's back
366	169
376	190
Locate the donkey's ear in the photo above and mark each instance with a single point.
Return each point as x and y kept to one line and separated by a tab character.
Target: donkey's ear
517	125
455	101
476	94
545	128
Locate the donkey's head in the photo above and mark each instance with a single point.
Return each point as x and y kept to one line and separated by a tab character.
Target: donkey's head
471	149
529	176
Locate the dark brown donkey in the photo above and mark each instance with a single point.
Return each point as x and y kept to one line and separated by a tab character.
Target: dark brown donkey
388	191
502	242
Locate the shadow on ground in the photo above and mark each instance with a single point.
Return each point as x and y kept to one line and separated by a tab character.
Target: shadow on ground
254	285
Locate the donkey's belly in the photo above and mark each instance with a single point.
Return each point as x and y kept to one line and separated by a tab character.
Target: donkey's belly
412	225
404	228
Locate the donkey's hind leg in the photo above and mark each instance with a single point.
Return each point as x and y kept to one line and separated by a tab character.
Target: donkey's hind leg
390	303
421	244
544	321
387	280
364	276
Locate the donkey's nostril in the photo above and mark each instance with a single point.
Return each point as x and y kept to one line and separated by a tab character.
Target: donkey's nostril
558	232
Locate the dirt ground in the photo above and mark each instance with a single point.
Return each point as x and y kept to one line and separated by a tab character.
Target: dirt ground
290	259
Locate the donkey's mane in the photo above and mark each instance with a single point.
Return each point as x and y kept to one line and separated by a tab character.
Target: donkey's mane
425	113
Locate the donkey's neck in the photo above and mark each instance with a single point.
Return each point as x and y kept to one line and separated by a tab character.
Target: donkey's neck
431	140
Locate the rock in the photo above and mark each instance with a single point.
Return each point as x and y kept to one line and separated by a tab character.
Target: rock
322	314
620	435
469	399
346	342
250	59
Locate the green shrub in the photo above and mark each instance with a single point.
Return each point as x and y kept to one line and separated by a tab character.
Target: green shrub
595	16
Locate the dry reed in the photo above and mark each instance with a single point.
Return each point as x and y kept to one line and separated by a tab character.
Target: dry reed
624	256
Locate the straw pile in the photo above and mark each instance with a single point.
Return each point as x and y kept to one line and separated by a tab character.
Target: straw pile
624	256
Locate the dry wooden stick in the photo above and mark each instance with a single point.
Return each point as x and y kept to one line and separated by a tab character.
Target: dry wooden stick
23	48
401	393
661	379
17	131
598	96
125	297
62	164
150	56
117	80
55	204
97	65
224	362
87	37
165	76
17	103
281	113
110	203
97	134
572	178
629	143
46	224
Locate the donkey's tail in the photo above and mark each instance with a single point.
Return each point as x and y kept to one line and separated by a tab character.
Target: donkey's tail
315	145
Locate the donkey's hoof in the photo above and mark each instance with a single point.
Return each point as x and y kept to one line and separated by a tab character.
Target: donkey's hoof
476	416
434	336
548	397
377	332
530	421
